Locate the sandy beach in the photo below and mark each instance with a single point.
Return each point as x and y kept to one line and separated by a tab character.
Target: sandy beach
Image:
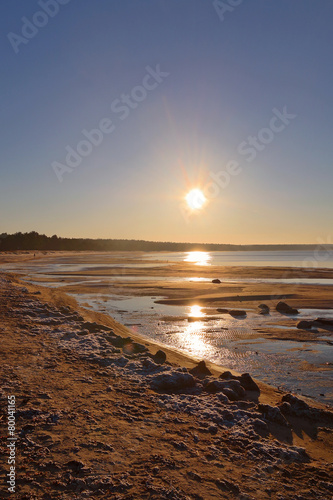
166	250
158	296
100	414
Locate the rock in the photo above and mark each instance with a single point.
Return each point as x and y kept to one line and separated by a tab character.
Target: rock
273	414
236	386
172	381
92	327
118	341
284	308
149	364
160	357
230	394
236	313
214	386
75	465
324	322
264	309
216	280
248	383
222	311
285	408
304	325
134	348
231	388
245	380
201	370
297	407
295	402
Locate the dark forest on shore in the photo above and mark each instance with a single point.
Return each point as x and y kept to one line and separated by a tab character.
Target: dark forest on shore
36	241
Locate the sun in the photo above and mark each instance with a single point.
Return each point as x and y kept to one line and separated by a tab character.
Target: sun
195	199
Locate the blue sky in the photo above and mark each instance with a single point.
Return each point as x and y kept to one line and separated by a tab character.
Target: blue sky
225	78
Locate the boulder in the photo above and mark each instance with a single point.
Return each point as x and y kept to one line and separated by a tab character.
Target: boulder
272	414
227	376
160	357
284	308
245	380
134	348
118	341
216	280
201	370
292	405
248	383
222	311
263	309
231	388
296	407
236	386
230	394
236	313
148	364
324	322
304	325
172	381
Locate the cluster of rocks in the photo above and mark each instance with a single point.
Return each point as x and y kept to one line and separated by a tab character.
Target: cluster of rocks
324	323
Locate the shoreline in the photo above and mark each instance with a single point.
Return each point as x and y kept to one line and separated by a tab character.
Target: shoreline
82	404
269	393
100	280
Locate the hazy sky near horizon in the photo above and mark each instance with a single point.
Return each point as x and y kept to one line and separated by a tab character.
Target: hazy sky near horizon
184	92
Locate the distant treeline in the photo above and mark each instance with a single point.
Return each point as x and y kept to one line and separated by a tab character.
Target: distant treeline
35	241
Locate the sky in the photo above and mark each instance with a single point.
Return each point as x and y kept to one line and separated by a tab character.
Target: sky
111	112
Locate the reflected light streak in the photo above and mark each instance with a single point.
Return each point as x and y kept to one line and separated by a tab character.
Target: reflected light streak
196	312
198	258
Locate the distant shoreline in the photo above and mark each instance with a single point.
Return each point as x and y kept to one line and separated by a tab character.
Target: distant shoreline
33	241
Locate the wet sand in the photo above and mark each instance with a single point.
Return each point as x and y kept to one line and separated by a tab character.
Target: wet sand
131	275
99	280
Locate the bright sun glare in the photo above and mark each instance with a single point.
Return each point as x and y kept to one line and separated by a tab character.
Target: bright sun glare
195	312
195	199
198	258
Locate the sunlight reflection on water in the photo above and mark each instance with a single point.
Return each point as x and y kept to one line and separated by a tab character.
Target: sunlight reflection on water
194	340
198	258
196	312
